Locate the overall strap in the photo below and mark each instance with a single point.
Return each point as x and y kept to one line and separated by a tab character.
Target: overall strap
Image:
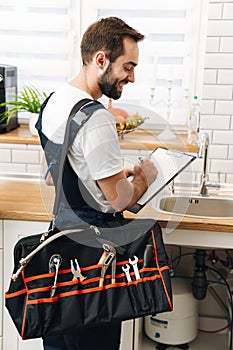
66	144
56	154
38	124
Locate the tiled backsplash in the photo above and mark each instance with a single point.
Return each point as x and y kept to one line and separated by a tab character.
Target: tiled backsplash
216	109
20	159
217	103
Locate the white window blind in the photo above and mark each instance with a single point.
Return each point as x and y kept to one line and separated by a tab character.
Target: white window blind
173	50
37	37
42	37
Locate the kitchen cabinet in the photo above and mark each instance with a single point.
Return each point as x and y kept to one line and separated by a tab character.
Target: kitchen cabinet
13	230
133	337
1	283
21	204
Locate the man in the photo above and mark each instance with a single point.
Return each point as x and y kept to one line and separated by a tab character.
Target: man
109	54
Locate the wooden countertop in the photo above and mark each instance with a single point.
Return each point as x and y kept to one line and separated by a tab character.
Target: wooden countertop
25	200
149	140
20	135
138	139
33	201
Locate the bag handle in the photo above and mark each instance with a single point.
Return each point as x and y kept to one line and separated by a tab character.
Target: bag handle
64	152
24	261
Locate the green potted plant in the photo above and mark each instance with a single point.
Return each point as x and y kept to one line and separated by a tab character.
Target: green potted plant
27	100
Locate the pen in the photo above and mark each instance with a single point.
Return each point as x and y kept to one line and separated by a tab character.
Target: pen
140	159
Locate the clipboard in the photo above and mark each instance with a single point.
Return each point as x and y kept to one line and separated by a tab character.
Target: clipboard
169	164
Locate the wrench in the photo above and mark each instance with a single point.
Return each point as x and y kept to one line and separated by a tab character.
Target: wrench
126	271
135	267
108	248
109	256
54	265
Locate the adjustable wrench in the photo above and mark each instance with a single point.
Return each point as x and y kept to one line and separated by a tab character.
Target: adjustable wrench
110	259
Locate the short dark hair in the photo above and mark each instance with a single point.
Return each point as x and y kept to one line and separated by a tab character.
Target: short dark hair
108	35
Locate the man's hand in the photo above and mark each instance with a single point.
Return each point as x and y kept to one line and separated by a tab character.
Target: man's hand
122	193
146	169
129	172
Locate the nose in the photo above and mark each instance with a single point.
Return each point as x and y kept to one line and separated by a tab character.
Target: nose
131	77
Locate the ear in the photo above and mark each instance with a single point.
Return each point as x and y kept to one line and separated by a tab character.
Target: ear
101	59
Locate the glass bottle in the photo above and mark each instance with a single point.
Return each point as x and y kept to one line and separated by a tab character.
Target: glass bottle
194	122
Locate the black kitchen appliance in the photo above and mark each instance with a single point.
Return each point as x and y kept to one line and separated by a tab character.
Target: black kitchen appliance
8	91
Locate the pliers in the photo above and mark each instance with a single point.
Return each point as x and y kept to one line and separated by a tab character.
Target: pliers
76	271
110	259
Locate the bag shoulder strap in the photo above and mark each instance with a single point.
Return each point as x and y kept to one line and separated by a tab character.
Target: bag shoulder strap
65	147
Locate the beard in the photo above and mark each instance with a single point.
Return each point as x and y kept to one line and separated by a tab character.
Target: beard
108	84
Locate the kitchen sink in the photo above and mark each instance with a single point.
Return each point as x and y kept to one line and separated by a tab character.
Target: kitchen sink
197	206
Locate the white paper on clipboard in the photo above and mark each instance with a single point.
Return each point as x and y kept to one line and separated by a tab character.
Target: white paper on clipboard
169	164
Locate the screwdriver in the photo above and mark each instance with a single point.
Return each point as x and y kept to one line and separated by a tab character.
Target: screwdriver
148	254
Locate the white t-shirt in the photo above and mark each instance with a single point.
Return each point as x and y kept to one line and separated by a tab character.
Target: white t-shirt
95	153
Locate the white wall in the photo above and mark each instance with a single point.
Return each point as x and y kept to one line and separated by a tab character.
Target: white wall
217	104
20	159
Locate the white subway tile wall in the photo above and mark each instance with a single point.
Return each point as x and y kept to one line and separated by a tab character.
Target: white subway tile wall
224	107
20	159
225	76
212	44
217	92
216	122
215	11
210	76
231	152
228	11
217	104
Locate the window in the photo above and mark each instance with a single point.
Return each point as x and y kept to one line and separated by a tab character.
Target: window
41	38
37	37
173	50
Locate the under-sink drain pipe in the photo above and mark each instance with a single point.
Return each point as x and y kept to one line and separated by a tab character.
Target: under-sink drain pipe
199	283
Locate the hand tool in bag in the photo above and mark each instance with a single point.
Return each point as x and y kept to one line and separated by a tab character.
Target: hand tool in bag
76	271
110	259
104	254
119	250
54	264
102	258
148	255
134	263
126	269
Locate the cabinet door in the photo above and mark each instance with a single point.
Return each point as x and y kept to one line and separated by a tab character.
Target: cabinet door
1	283
127	335
138	334
1	289
13	231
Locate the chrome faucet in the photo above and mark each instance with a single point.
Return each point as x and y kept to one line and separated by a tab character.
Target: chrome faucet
203	153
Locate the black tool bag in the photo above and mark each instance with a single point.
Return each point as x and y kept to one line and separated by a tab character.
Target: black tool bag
37	310
47	297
